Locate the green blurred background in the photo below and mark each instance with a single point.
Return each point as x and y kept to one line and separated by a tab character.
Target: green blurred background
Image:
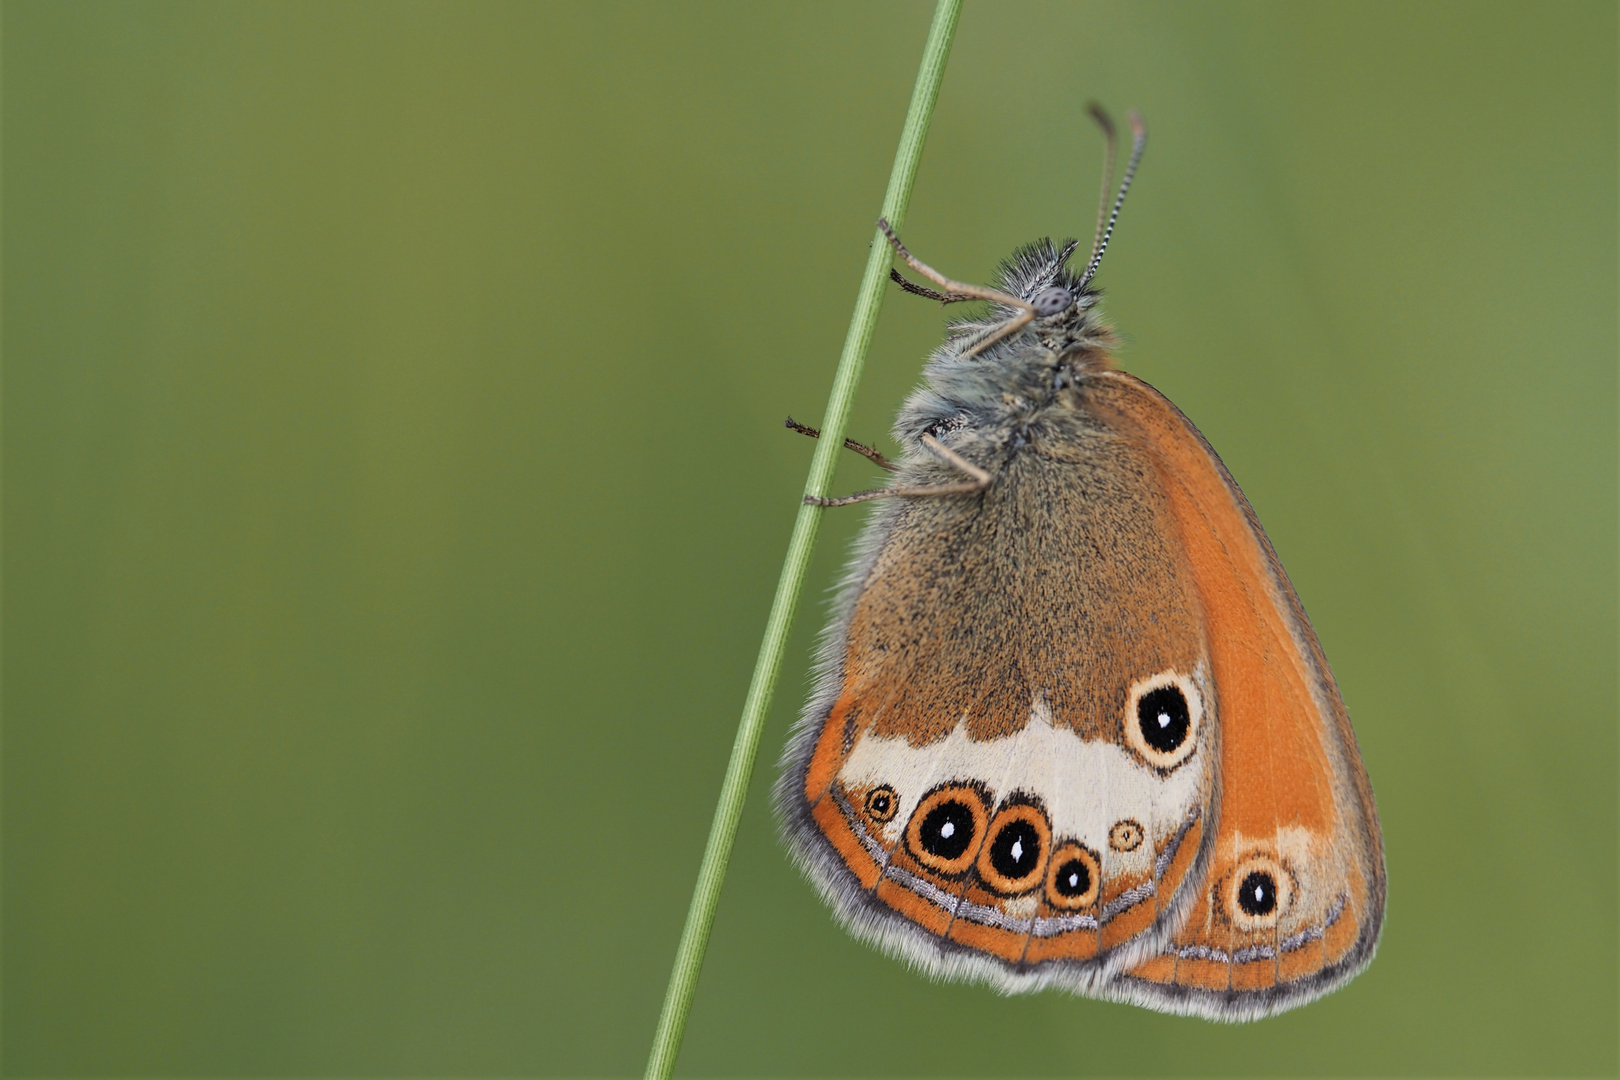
395	485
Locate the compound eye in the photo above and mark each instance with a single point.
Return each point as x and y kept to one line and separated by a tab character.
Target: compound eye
1073	878
1052	300
1012	859
944	830
1161	719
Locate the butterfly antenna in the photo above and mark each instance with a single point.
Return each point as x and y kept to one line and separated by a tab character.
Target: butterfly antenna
1138	143
1106	122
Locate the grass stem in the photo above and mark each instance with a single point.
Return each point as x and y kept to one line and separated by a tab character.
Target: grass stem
734	790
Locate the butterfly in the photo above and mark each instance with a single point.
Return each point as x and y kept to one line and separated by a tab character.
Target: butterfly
1071	726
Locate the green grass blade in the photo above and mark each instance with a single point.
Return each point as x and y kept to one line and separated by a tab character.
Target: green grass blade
723	832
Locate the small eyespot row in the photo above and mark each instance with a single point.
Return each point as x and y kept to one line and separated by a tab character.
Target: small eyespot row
1011	852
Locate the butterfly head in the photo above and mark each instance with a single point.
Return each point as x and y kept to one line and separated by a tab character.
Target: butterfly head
1038	290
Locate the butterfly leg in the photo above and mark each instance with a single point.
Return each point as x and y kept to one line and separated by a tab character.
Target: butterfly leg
979	479
869	452
1011	326
957	290
922	290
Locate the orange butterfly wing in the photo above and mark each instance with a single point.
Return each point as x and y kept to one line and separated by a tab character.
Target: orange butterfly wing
1293	900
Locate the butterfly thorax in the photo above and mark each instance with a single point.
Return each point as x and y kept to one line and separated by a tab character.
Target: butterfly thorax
1005	397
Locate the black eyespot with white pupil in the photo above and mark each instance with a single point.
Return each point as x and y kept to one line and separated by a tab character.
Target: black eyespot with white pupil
947	830
1073	878
944	831
1163	718
1015	850
1053	300
1257	894
881	803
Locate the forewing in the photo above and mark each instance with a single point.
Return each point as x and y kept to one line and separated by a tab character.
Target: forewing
1293	899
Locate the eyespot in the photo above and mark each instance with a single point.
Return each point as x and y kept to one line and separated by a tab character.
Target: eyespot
1073	877
1013	857
1126	835
1052	300
1161	719
944	829
881	803
1258	891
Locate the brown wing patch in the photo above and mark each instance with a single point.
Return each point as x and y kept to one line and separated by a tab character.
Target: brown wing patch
1060	579
1293	898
